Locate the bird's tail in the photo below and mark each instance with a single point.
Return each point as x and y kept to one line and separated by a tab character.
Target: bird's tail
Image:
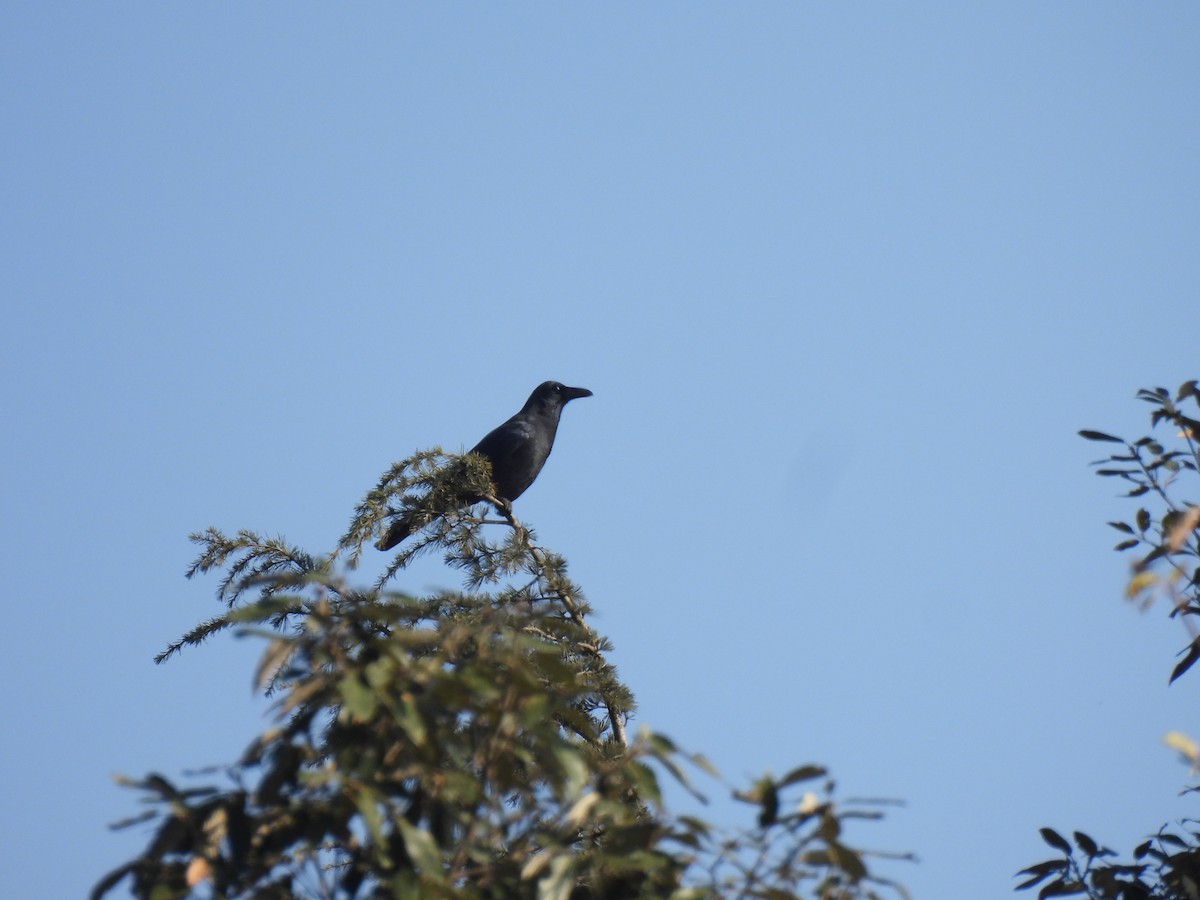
399	530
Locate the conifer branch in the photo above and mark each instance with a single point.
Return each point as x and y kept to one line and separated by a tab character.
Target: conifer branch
564	592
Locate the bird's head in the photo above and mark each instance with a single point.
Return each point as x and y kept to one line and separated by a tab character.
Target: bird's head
552	395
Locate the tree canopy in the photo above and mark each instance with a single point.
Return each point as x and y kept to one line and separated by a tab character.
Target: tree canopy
465	743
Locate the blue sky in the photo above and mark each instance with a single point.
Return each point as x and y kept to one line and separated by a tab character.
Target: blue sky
844	278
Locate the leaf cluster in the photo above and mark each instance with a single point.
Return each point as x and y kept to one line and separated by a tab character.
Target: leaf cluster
1164	867
1165	530
462	744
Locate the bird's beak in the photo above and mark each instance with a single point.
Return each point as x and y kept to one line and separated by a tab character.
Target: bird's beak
570	393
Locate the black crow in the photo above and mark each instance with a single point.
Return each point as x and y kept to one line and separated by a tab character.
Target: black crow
517	450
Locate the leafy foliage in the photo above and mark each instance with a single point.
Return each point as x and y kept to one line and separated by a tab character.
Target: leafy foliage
465	744
1165	529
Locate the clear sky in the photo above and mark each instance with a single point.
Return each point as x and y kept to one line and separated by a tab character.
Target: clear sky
844	278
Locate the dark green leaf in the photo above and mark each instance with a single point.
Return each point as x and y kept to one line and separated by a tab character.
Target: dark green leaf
770	806
801	773
1100	436
1086	844
1122	527
1193	654
1143	520
109	881
1062	889
1125	545
1160	550
1041	871
848	860
1055	840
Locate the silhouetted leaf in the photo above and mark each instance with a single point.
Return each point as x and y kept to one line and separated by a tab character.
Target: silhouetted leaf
1125	545
1041	871
1143	520
1055	840
1154	554
849	861
1100	436
1062	889
1086	844
109	881
1193	654
801	773
770	806
1122	527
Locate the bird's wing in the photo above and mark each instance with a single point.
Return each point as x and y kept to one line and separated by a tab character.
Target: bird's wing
513	450
501	443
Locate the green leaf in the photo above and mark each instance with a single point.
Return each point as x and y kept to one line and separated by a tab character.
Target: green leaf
367	801
848	860
1100	436
769	800
1125	545
357	699
1143	520
408	717
801	773
574	768
1122	527
421	848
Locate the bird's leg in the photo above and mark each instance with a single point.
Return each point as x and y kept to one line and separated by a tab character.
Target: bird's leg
504	507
